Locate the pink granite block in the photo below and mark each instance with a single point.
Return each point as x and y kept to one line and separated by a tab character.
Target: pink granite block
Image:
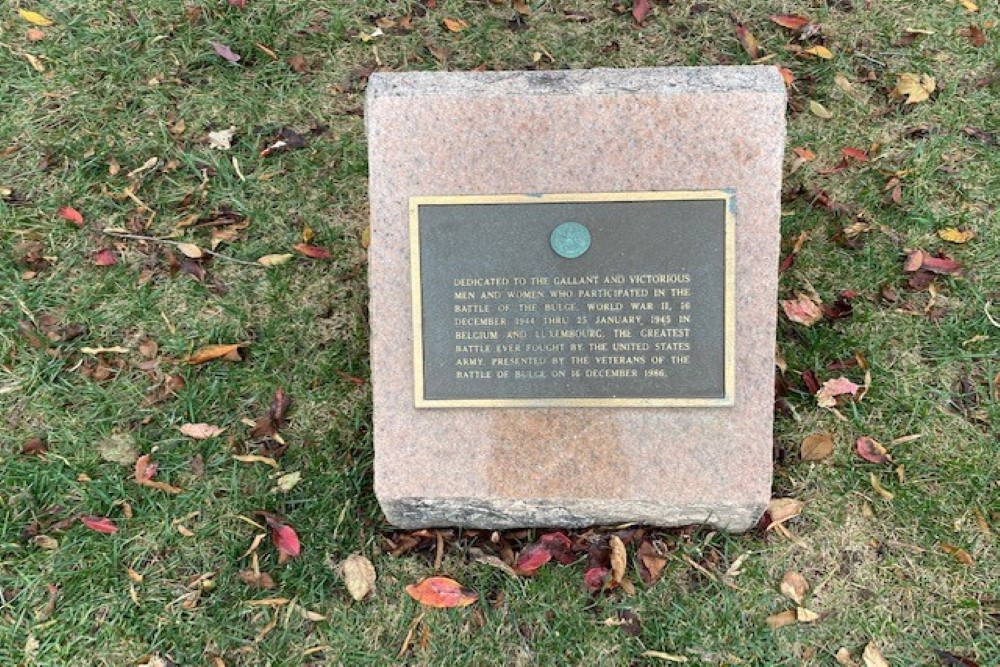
502	133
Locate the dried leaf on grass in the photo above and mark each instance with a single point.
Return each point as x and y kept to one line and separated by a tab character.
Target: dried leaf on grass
794	587
71	214
531	558
275	260
872	450
201	431
35	18
953	235
914	87
284	537
817	109
228	352
359	576
441	592
100	524
873	656
145	470
961	555
817	447
780	620
804	309
261	580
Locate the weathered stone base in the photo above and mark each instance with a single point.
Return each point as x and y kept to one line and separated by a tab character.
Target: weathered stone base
481	513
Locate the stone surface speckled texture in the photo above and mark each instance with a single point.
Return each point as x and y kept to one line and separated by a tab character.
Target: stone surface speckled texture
571	132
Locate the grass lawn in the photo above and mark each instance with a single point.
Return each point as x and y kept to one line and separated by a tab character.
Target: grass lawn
109	111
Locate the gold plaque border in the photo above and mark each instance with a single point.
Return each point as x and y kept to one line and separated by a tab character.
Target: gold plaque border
729	318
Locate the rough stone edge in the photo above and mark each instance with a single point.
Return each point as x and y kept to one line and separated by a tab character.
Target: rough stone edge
410	513
600	81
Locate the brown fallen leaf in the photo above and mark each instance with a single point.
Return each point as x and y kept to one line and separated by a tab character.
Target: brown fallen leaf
441	592
879	489
312	251
794	587
873	656
619	559
261	580
961	555
817	447
780	620
790	21
201	431
228	352
359	576
275	260
34	447
455	25
803	615
256	458
145	470
275	419
749	42
652	562
781	510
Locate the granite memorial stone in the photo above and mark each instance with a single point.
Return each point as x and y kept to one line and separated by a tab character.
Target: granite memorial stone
573	280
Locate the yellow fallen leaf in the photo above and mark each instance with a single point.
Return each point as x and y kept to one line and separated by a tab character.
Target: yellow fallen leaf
268	602
190	250
215	352
914	87
843	83
36	18
953	235
818	109
35	62
803	615
968	4
784	509
274	260
879	489
256	458
820	51
660	655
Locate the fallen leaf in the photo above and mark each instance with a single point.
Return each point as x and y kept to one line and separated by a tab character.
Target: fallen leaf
288	481
803	615
35	18
873	656
284	537
275	260
71	214
640	10
212	352
275	419
843	83
879	489
817	447
969	5
619	559
787	75
315	252
100	524
36	35
201	431
105	257
261	580
914	87
794	587
660	655
790	21
975	34
441	592
225	52
854	154
256	458
144	469
952	660
843	657
35	62
359	576
804	153
596	578
871	450
952	235
775	621
819	51
961	555
45	542
222	140
804	309
34	447
652	562
826	396
560	546
190	250
818	109
781	510
531	558
455	25
749	42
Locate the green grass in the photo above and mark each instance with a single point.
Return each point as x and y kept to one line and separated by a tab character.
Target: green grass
119	79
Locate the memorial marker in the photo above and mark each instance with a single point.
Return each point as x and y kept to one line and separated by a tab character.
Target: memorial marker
573	282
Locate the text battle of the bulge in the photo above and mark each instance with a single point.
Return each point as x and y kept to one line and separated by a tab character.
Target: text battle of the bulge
587	326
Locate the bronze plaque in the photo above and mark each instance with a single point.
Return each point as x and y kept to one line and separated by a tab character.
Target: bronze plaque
616	299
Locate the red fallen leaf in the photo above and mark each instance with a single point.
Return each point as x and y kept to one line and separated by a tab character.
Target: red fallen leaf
787	75
804	309
854	154
787	262
871	450
105	257
225	52
560	546
531	558
640	10
595	578
952	660
71	214
312	251
238	4
943	265
284	537
145	469
790	21
975	35
441	592
99	523
812	383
